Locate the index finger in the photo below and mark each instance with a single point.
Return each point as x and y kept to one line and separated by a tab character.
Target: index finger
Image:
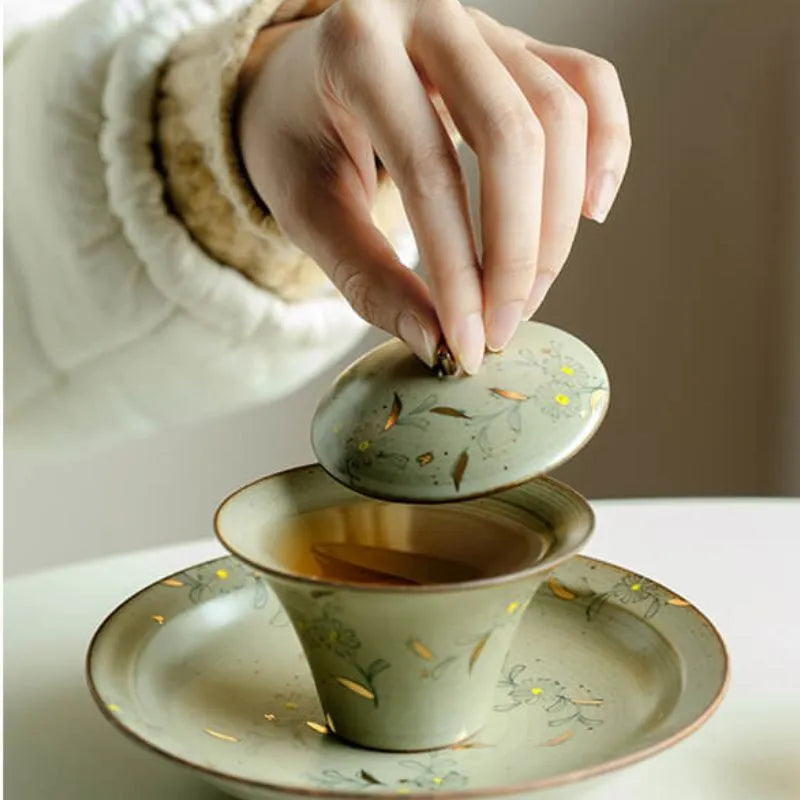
413	145
496	120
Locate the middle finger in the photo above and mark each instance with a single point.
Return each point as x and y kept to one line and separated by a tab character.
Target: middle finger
497	122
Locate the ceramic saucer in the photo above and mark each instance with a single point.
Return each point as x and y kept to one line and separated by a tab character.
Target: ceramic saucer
607	668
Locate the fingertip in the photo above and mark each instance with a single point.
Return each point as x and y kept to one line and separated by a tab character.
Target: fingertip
418	337
469	342
601	195
502	325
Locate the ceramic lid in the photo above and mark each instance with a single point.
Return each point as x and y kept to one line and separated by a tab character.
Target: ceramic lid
392	428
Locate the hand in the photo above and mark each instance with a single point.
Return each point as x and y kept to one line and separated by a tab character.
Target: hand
320	98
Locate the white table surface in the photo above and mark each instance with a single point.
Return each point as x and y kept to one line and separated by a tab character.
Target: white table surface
737	560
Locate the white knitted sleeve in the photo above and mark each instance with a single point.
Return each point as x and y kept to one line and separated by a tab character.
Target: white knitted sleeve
117	322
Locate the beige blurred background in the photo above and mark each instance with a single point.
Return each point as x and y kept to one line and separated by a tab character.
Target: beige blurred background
690	292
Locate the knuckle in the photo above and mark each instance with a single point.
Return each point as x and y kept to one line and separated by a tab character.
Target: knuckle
437	9
560	103
430	173
356	288
513	129
518	270
346	39
349	19
453	274
620	136
596	69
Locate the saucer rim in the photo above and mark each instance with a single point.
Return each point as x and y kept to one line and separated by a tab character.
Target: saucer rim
542	567
562	779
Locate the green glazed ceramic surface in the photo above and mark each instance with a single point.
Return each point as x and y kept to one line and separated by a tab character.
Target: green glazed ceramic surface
390	428
204	668
412	667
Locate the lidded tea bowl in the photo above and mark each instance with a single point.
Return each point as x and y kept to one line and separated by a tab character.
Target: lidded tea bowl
423	474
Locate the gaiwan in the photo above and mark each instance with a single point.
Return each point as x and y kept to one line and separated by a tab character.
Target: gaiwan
406	558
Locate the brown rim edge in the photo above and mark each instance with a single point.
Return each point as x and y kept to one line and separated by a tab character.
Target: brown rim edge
488	792
497	580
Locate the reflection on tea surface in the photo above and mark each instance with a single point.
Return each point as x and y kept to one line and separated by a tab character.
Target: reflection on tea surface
396	544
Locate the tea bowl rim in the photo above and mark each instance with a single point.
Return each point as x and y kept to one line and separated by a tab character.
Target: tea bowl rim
544	566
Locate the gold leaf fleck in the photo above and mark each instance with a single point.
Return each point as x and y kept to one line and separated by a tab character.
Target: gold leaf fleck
222	574
113	707
460	468
397	407
174	582
468	744
424	459
158	618
316	727
592	701
290	705
420	649
478	649
329	720
512	606
509	394
676	601
559	590
357	688
560	739
270	717
225	737
446	411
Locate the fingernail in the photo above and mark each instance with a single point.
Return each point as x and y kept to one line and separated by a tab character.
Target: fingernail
502	325
470	343
413	333
601	198
541	285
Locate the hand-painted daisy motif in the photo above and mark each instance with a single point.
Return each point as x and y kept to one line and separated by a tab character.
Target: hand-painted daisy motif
633	590
331	633
527	690
561	368
552	697
435	775
532	691
558	400
213	580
